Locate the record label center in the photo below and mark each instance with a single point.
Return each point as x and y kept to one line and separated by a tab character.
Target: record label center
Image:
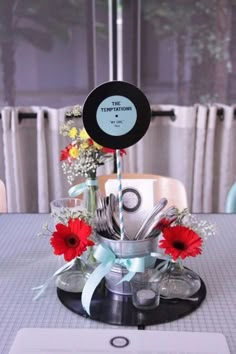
116	115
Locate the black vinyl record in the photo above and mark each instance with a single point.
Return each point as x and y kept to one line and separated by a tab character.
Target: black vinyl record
117	309
116	114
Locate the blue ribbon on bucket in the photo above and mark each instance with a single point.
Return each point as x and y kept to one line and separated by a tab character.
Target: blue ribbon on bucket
107	258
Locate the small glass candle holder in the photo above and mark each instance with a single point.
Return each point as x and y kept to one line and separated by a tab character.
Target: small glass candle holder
146	289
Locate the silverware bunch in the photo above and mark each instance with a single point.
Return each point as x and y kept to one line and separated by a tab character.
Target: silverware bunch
107	219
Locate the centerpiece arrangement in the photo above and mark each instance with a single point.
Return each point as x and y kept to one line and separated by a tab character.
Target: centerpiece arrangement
136	274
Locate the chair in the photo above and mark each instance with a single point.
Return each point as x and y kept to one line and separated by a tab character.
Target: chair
3	198
230	205
170	188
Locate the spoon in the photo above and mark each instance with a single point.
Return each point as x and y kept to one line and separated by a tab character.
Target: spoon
142	232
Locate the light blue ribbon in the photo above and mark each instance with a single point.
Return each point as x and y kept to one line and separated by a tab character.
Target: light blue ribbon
44	286
107	258
78	189
162	266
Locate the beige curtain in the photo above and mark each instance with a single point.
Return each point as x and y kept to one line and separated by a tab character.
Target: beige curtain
31	153
198	148
168	147
215	166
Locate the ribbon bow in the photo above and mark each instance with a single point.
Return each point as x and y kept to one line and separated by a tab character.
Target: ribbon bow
162	266
107	258
41	288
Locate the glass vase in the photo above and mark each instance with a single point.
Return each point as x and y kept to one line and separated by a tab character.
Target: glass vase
178	281
91	195
88	257
74	279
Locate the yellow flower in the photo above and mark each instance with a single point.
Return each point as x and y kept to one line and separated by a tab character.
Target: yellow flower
74	152
73	132
97	146
84	146
83	134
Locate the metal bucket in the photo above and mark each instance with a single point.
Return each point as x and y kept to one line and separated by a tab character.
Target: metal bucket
127	249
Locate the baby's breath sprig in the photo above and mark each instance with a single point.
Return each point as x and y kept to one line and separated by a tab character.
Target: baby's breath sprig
65	128
76	111
203	228
62	217
45	231
66	213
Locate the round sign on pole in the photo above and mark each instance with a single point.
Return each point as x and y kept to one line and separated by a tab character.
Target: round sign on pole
116	114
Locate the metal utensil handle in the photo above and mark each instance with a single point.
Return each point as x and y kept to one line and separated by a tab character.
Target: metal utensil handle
149	227
157	208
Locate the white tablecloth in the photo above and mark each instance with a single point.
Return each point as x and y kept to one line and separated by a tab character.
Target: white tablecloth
27	261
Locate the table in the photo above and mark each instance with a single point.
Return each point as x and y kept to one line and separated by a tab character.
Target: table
28	260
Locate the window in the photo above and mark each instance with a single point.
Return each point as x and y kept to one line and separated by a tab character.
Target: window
52	52
181	52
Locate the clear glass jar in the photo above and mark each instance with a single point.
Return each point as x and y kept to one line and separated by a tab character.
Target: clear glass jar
179	282
91	195
74	279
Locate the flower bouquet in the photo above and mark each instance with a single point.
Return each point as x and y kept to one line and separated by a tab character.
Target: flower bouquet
184	237
81	158
71	239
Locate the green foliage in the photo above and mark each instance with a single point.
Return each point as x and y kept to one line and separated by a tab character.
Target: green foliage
192	20
40	22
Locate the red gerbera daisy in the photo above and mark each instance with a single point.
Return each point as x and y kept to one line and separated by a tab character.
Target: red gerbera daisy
161	225
71	240
180	241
